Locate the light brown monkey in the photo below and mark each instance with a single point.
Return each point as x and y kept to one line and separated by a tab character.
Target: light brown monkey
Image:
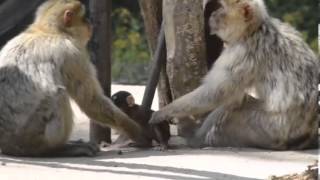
39	70
261	54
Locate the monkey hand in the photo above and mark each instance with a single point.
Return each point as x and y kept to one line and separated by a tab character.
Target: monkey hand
158	117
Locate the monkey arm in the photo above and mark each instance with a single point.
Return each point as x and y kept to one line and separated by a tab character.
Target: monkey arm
84	88
224	84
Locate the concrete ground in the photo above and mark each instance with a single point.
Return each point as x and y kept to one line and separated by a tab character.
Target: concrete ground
180	163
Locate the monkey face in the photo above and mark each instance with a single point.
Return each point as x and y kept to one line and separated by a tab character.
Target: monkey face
217	19
81	24
233	19
65	16
123	100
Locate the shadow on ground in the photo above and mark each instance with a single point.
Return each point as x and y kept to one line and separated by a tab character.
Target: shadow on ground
106	162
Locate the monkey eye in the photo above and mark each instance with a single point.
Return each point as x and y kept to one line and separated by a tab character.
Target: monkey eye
69	14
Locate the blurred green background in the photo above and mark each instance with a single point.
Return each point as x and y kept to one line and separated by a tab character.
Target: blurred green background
130	50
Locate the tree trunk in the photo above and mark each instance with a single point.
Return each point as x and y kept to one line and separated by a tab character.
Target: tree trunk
187	37
152	15
186	50
100	45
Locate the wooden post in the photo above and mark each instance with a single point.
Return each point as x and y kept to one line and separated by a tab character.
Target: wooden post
100	45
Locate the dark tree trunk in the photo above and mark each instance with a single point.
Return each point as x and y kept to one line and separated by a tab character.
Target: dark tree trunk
100	45
152	15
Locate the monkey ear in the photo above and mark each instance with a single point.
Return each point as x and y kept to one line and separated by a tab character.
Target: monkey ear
130	101
247	12
68	18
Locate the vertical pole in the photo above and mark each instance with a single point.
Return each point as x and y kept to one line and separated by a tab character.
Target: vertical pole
159	58
100	45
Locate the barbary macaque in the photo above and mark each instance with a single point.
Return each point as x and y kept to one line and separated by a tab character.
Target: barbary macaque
39	70
159	132
261	54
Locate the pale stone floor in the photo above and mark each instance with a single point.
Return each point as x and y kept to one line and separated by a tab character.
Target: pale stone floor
180	163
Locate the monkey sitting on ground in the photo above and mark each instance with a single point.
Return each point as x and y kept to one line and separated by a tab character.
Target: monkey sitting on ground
268	56
159	132
39	70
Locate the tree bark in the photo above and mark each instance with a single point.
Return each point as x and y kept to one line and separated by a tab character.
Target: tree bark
186	50
152	14
187	38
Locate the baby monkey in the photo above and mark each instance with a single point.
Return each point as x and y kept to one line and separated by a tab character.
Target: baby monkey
159	132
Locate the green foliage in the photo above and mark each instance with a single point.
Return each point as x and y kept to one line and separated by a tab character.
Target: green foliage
302	14
130	51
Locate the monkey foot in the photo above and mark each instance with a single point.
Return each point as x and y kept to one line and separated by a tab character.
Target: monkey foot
79	148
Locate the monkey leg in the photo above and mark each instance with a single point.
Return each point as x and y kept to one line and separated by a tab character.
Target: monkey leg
249	126
40	150
162	140
45	133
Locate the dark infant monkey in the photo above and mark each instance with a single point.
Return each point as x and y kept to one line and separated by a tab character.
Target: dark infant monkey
159	132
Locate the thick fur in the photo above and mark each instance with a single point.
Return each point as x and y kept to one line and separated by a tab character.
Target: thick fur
39	70
265	56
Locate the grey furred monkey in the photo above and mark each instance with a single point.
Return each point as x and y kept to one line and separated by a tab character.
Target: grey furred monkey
265	55
39	70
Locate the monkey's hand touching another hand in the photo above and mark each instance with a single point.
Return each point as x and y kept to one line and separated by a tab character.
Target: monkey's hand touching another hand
159	116
159	132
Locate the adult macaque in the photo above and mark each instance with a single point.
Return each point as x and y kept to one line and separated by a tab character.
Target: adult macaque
264	54
39	70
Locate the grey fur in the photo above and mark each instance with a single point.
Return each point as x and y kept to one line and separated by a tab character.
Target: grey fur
39	71
269	57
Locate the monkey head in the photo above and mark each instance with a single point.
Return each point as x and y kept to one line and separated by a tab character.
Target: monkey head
64	16
123	100
236	19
